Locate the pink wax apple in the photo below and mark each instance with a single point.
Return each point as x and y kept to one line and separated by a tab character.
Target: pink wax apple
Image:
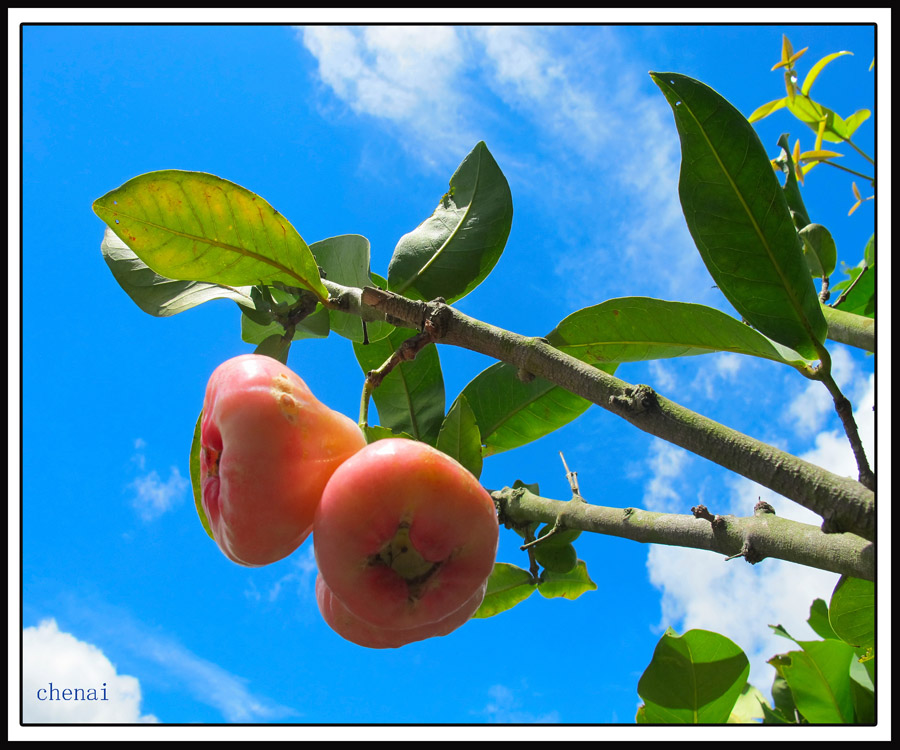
268	448
404	535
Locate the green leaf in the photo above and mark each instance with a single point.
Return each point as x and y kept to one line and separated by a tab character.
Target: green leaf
511	413
195	226
314	326
780	630
739	218
345	261
693	679
774	717
819	679
767	109
861	298
568	585
507	586
852	611
811	113
273	304
869	252
782	696
862	688
411	398
854	121
818	619
560	538
630	329
275	346
556	558
817	68
818	249
791	186
749	708
158	295
459	436
194	466
452	251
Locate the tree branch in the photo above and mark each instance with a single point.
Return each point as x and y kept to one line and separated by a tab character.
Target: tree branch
755	537
847	328
843	503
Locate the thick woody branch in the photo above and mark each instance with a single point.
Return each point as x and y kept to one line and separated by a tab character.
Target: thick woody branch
843	503
754	538
847	328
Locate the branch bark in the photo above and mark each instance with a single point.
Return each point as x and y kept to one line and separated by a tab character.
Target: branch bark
843	503
753	538
850	329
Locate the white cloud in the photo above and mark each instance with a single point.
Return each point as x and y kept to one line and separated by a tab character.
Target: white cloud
599	136
663	376
54	662
165	661
210	684
809	410
301	579
667	463
153	497
405	75
504	707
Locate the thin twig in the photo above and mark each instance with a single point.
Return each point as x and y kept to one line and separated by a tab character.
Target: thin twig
843	295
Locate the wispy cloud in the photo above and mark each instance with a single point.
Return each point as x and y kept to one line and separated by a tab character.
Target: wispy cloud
667	464
161	659
504	706
570	115
300	579
54	662
150	495
406	76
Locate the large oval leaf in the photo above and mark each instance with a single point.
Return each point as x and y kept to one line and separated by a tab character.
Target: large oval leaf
511	413
568	585
694	678
629	329
819	679
852	611
507	586
195	226
411	398
345	260
158	295
459	436
452	251
738	216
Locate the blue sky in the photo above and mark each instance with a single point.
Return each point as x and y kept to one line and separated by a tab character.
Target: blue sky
357	130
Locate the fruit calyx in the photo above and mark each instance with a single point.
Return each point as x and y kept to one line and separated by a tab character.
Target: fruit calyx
400	555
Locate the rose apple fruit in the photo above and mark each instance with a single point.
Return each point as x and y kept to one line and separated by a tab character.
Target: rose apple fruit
267	449
347	625
405	535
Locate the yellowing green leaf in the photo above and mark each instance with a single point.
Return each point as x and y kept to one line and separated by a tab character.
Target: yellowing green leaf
817	68
766	109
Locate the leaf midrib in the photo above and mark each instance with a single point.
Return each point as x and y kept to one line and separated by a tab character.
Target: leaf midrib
453	234
98	208
795	303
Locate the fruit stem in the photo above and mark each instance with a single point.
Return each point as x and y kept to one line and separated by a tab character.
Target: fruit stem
364	405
